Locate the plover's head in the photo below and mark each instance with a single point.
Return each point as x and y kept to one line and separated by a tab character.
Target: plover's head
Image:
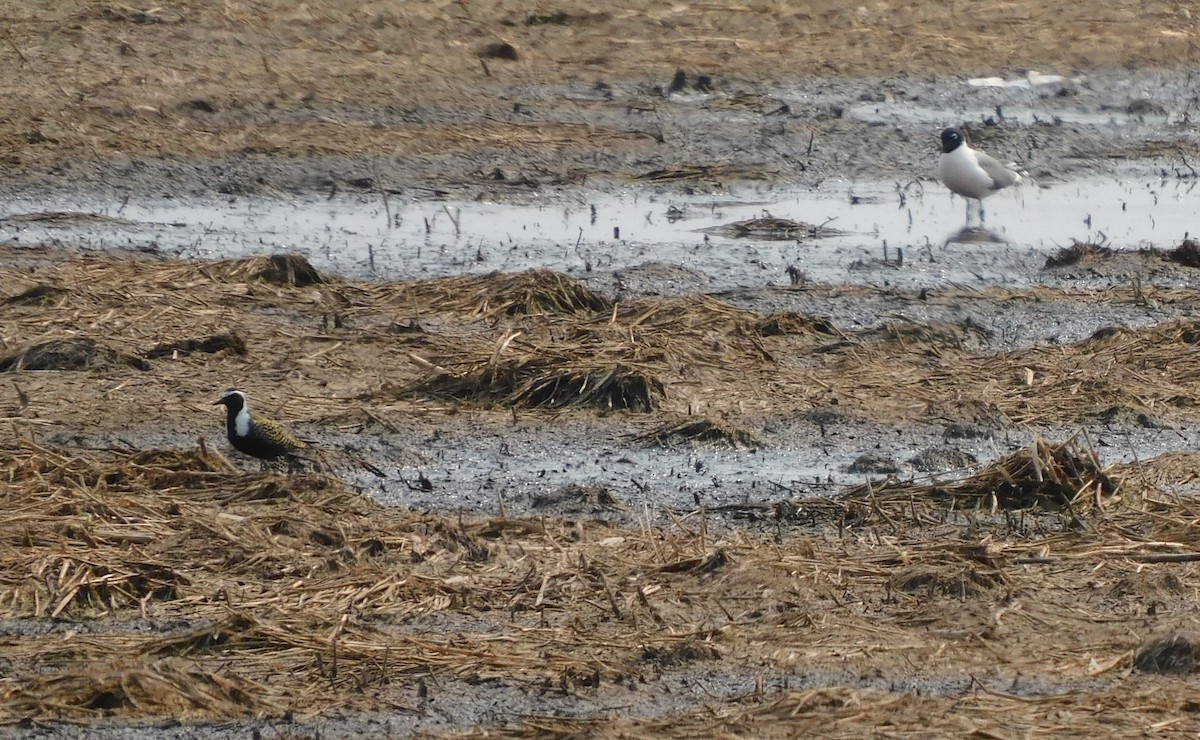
952	139
234	400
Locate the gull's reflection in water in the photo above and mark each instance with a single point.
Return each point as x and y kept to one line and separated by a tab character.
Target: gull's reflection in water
975	235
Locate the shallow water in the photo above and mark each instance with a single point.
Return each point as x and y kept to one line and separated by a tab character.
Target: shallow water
594	231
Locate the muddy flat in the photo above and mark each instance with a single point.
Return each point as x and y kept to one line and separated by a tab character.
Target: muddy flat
650	384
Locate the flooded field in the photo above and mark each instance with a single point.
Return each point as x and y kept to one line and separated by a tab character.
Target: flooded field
643	397
904	235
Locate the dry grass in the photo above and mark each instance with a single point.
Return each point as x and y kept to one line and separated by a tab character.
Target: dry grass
294	594
307	585
625	358
1045	475
497	295
1026	589
1150	371
538	339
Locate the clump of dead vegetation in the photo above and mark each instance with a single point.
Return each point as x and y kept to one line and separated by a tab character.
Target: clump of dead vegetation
1079	253
1177	653
503	294
577	499
1186	254
714	173
1045	475
791	323
931	336
622	359
42	294
771	228
541	381
211	344
713	431
80	353
281	269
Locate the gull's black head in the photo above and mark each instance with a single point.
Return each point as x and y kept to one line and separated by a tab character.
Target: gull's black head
952	139
233	400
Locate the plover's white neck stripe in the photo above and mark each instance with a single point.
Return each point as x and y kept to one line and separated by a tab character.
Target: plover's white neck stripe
241	422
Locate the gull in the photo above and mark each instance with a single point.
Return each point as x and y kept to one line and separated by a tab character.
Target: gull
972	174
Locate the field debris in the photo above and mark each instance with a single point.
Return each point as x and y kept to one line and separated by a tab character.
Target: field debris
42	294
1187	254
772	228
495	294
712	431
1047	475
537	340
1079	253
281	269
1175	653
932	336
293	594
577	499
210	344
82	353
269	594
540	383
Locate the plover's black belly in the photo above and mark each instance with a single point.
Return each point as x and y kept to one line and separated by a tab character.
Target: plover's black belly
257	445
265	440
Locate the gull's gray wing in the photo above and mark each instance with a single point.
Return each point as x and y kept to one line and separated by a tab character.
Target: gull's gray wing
1001	176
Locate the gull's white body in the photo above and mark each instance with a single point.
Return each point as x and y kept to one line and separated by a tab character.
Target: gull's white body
970	173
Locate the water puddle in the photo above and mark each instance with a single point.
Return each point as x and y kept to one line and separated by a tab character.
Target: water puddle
888	233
